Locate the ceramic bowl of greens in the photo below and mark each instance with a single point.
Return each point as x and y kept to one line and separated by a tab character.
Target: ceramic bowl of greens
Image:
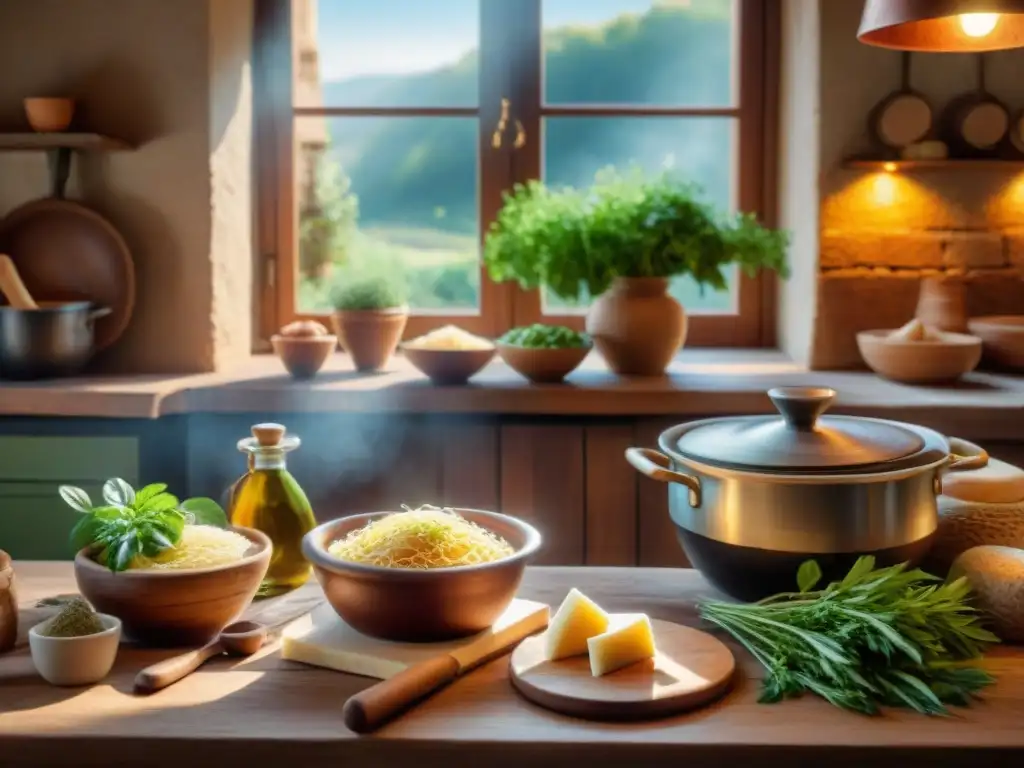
544	353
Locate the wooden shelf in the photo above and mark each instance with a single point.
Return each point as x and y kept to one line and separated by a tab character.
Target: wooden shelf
81	142
932	165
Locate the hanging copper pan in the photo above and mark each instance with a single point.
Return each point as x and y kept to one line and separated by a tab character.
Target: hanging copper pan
67	252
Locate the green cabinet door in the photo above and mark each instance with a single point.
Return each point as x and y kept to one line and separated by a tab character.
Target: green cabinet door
34	521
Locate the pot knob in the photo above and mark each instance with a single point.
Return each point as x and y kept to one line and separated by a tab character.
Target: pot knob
801	406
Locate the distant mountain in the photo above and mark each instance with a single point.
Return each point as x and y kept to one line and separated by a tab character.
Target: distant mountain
411	171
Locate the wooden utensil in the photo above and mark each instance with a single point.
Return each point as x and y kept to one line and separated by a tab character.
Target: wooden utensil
243	638
12	286
373	707
975	124
691	668
904	117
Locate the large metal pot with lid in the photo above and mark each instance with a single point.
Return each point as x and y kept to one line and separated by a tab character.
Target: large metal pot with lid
753	497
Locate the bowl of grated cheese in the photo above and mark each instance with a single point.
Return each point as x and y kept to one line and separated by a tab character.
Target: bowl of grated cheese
449	355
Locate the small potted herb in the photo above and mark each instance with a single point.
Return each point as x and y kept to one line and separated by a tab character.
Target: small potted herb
621	241
544	353
369	317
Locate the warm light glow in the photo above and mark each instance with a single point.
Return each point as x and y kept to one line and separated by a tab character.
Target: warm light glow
889	167
883	190
978	24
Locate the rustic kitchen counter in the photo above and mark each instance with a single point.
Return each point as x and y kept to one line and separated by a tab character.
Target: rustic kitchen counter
268	712
701	382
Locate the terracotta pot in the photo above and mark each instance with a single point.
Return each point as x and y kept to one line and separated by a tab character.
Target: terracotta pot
304	356
941	304
370	336
637	326
47	115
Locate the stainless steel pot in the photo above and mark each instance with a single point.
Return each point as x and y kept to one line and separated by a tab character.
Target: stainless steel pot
753	497
54	340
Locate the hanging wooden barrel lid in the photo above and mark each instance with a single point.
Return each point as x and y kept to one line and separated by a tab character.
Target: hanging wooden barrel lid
902	118
976	123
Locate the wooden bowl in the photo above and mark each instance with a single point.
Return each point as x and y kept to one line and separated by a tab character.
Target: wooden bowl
304	356
421	605
448	366
175	608
920	362
49	115
1002	338
543	365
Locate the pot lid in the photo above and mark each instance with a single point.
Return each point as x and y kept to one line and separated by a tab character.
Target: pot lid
802	439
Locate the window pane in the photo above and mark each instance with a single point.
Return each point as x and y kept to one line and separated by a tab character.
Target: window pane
698	149
653	52
392	192
386	53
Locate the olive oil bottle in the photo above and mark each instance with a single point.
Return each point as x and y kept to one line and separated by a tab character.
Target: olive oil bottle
269	499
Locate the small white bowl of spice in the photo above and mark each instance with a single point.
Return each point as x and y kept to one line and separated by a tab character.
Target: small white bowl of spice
77	646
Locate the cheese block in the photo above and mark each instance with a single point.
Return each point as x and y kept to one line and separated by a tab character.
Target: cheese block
996	483
629	640
577	619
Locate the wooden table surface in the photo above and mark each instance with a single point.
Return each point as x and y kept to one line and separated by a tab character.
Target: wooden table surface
270	712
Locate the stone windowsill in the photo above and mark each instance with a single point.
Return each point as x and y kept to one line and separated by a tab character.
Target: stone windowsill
700	383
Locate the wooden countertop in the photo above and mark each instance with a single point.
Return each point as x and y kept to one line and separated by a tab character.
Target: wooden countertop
265	711
700	382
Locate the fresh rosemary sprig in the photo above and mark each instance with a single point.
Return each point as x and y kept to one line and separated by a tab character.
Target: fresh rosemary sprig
887	637
130	524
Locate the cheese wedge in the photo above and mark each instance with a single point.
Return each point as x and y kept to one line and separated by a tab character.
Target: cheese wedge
577	619
628	641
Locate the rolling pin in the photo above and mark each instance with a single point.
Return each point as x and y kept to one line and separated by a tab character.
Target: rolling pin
12	286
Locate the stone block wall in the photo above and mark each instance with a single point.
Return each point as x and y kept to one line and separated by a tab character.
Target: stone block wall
882	232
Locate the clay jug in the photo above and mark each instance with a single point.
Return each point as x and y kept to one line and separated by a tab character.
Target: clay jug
941	304
637	326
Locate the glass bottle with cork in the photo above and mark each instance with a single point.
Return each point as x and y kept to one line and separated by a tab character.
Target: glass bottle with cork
269	499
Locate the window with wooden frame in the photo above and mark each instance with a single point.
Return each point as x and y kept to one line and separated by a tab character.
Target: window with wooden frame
388	132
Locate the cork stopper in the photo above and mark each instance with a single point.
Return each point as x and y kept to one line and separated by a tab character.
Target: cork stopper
268	435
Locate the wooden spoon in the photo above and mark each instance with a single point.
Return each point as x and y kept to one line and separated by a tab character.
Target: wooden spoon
12	286
243	638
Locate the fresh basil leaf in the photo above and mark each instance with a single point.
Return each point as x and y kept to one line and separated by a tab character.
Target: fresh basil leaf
808	575
127	549
83	533
118	493
154	541
143	496
160	502
76	498
205	511
111	513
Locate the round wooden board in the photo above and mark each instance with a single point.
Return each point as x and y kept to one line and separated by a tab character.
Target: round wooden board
691	668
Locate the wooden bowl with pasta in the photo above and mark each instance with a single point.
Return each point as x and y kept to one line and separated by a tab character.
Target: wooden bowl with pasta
169	608
423	580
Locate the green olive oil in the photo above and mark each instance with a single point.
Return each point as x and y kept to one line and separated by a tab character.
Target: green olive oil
270	500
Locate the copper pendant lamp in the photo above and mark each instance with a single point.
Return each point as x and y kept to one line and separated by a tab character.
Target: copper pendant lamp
943	26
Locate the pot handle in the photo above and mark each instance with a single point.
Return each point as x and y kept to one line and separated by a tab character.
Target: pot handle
965	456
657	466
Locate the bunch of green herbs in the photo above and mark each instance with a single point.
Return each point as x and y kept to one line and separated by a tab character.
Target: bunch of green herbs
134	523
541	336
627	224
367	291
886	637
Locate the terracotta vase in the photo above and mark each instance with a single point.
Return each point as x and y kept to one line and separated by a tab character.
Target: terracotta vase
370	336
941	304
636	326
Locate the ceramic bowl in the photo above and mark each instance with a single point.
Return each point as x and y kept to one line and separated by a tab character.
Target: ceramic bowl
543	365
414	605
176	608
304	356
920	362
76	660
1002	337
448	366
49	115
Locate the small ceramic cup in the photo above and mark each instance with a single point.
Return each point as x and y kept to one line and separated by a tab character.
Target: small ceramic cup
76	660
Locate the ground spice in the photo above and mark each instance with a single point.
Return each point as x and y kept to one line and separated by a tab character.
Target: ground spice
76	619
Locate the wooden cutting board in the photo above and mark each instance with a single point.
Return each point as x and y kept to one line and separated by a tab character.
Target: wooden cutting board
691	668
322	639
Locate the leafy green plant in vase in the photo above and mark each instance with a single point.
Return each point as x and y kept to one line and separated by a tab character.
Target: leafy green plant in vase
621	241
370	314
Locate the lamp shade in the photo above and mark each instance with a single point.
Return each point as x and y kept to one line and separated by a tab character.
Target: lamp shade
948	26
